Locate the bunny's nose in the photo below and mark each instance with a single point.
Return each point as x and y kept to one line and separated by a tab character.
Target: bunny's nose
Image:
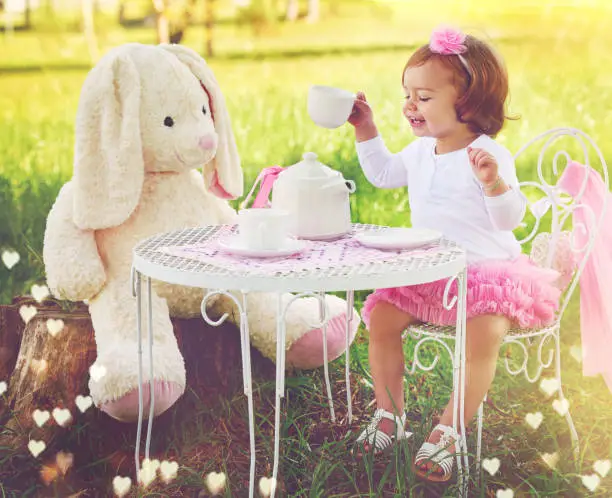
207	142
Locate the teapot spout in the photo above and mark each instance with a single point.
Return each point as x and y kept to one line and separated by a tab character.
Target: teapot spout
338	183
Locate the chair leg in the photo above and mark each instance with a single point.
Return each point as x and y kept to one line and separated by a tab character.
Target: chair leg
479	442
568	416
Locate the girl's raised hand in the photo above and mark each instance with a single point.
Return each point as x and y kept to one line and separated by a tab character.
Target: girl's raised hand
362	112
484	166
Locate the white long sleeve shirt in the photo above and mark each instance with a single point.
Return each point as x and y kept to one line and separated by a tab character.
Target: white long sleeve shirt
445	195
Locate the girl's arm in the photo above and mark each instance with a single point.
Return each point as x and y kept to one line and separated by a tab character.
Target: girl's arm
504	200
381	168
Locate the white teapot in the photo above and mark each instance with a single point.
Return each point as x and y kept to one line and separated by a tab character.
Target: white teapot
317	198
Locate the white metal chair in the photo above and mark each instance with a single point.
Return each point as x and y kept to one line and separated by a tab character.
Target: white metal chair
551	249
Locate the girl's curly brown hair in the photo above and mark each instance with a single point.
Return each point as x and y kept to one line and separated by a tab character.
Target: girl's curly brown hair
482	91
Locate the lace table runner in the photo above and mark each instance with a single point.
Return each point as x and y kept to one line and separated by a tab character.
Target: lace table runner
346	251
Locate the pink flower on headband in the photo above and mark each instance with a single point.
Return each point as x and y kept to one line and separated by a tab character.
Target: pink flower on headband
447	41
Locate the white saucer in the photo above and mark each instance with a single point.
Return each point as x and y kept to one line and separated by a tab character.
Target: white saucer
234	245
328	237
398	238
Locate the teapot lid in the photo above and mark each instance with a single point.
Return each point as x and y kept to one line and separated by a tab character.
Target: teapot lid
309	168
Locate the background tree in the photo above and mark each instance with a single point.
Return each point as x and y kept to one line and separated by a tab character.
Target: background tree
87	10
162	24
313	11
27	19
209	24
293	9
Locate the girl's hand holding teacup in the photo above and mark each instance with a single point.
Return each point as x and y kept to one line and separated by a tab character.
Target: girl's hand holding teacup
362	118
362	112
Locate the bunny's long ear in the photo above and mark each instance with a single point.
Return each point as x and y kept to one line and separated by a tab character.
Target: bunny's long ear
108	160
226	172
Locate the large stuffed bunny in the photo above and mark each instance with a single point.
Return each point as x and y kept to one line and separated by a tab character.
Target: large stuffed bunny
148	118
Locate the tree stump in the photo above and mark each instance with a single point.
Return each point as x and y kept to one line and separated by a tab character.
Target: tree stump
11	328
50	365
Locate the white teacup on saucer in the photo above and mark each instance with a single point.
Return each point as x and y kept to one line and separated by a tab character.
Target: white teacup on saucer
262	233
263	229
328	106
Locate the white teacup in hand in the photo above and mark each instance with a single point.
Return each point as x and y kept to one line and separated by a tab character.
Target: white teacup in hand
328	106
263	229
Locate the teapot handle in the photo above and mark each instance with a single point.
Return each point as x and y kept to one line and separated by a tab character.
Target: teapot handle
267	177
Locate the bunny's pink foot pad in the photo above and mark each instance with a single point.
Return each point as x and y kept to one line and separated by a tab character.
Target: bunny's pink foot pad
125	409
307	351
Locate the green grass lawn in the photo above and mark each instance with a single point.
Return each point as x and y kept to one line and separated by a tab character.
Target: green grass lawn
557	59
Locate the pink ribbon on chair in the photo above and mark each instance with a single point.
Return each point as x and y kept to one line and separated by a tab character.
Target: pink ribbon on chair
596	278
267	177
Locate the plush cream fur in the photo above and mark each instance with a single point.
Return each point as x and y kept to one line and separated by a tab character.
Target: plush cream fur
135	177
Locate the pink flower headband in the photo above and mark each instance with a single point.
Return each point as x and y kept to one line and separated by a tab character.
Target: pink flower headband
449	41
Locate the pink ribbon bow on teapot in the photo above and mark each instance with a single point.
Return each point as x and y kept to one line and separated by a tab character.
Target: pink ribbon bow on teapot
267	177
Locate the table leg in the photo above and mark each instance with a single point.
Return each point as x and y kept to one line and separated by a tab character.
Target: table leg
280	383
459	373
350	298
151	390
137	293
323	317
245	349
281	336
459	383
457	378
463	303
248	387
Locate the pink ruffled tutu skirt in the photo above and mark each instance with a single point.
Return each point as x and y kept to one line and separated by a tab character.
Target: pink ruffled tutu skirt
525	293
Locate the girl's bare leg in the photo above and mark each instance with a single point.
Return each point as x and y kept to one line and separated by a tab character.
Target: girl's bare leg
386	357
485	335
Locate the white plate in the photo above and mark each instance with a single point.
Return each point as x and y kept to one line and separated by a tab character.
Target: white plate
233	245
398	238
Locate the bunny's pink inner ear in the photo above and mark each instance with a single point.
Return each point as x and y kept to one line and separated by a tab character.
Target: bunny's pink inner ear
217	189
215	185
210	102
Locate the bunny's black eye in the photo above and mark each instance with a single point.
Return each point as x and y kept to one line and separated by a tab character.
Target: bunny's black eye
204	109
169	122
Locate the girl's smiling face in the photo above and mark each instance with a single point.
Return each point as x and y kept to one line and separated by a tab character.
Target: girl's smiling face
430	101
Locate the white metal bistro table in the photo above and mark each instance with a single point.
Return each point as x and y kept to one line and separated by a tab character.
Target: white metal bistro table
342	265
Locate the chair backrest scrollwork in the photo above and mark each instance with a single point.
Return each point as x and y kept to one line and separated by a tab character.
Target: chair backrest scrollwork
554	212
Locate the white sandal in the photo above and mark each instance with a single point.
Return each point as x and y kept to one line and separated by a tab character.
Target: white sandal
437	453
379	440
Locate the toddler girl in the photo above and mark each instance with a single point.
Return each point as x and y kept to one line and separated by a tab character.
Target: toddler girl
462	183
